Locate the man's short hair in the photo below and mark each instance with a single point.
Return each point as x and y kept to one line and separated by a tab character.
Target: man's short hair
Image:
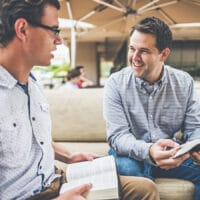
73	74
11	10
79	67
157	27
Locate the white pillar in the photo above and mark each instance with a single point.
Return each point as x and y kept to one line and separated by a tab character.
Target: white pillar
73	47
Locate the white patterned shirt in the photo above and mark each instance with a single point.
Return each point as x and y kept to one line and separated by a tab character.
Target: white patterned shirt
138	114
26	153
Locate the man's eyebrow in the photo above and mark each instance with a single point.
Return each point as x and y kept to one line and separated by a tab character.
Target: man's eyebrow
144	49
140	49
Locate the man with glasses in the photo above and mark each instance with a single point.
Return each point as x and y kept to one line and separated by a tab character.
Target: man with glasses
28	35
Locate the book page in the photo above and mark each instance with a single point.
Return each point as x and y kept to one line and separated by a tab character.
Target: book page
95	172
101	172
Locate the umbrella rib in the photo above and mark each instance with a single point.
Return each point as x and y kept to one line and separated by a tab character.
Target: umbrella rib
120	4
97	9
147	5
99	27
167	17
133	4
109	5
158	6
87	15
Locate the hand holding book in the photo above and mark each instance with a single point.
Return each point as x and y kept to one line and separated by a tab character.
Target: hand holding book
101	172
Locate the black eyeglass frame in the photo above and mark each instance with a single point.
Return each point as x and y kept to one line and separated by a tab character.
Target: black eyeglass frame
55	30
34	2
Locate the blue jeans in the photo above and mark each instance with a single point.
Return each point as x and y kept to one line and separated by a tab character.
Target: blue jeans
187	170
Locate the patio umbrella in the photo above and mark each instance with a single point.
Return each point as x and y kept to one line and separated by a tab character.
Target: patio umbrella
114	18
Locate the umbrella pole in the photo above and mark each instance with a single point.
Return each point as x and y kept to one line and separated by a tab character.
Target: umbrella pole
73	47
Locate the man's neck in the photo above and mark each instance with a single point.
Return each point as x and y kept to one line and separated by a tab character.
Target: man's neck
14	64
157	77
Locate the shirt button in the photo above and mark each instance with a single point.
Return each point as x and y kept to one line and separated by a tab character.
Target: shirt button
14	124
41	142
33	118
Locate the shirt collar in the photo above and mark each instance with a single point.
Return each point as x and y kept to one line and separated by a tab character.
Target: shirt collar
140	82
9	81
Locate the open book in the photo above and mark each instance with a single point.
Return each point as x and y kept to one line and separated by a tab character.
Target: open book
193	145
101	172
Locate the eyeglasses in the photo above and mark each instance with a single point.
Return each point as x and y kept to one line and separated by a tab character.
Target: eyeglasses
54	29
34	2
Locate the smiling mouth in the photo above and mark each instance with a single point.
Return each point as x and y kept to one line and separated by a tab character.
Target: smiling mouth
137	65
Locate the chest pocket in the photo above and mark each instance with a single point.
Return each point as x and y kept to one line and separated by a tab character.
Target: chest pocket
13	138
8	129
171	119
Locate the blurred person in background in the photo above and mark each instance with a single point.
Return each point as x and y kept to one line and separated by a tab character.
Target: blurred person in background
84	82
73	78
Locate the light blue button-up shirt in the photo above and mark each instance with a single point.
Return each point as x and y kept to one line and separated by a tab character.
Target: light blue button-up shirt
138	114
26	154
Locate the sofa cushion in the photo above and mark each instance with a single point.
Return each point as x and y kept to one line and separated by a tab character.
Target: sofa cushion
100	148
77	114
174	189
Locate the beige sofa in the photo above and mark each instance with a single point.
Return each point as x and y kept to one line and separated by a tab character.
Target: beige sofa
79	125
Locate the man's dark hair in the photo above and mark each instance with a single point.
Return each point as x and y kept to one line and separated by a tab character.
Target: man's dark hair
73	74
11	10
79	67
157	27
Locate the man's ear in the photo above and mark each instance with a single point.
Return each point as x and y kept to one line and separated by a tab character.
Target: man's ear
21	28
164	54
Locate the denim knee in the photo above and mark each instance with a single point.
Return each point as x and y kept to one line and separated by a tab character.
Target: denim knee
127	166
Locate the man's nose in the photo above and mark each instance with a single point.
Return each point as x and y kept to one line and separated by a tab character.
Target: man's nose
136	55
58	40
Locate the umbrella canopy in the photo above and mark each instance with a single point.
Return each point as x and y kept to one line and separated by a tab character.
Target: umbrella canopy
112	19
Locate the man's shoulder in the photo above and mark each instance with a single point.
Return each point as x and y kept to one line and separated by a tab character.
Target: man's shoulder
121	77
175	74
178	72
123	73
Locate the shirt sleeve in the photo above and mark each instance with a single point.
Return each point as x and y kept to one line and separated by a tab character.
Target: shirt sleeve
119	134
191	125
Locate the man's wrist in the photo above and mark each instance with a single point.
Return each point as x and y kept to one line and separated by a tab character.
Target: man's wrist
150	156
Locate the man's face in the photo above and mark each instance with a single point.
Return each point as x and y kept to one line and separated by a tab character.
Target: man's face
43	41
144	58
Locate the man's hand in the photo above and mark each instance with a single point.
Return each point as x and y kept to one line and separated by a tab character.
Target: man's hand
66	156
78	157
195	155
77	193
162	152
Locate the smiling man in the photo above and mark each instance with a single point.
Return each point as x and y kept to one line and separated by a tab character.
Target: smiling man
146	104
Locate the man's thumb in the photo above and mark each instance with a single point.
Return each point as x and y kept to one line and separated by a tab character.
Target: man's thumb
84	188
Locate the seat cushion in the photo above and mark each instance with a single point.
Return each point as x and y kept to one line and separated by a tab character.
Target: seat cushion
77	115
175	189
